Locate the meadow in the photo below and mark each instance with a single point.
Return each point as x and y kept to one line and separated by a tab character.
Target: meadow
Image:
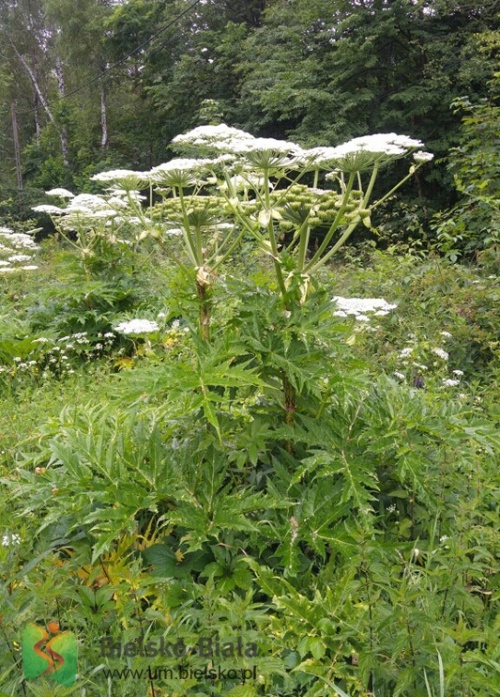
233	441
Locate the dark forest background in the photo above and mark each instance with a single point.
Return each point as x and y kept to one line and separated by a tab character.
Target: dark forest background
95	84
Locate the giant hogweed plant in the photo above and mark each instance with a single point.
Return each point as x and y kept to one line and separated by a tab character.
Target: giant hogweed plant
237	186
247	186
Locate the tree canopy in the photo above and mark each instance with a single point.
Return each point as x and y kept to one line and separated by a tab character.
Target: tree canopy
102	82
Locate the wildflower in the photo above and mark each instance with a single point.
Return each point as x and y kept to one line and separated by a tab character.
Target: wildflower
458	373
17	257
449	382
363	152
179	165
400	376
49	209
406	352
62	193
422	156
10	539
444	538
218	137
441	353
446	335
18	239
137	326
360	306
87	203
126	177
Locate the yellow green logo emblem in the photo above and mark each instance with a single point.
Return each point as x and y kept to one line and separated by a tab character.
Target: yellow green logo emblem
52	653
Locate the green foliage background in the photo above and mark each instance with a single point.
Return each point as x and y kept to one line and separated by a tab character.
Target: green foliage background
304	482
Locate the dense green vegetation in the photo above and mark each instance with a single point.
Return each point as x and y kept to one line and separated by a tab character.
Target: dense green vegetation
111	83
249	387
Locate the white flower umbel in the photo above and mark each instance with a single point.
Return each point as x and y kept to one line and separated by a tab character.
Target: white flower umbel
360	307
449	382
127	178
364	152
137	327
441	353
18	257
180	172
10	538
422	156
61	193
49	209
18	240
87	203
231	140
11	242
220	137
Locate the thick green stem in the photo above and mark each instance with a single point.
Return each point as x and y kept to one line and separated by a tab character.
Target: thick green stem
190	248
347	194
395	188
371	184
217	259
290	396
336	246
272	238
205	309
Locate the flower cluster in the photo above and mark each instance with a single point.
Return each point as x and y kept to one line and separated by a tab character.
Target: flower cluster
237	184
137	327
49	357
10	538
423	358
16	251
361	308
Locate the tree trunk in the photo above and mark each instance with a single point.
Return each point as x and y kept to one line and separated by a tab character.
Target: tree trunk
43	102
104	120
17	151
63	131
36	116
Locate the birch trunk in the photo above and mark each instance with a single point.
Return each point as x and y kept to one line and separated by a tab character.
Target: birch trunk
43	102
104	120
63	131
36	116
17	149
